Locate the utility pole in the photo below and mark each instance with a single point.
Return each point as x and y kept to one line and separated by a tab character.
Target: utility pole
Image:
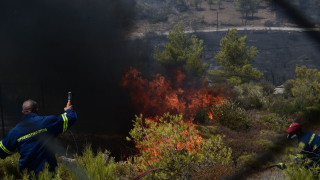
217	20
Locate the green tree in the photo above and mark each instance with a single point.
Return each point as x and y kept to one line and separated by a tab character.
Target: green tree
246	7
234	58
306	87
210	2
183	52
196	3
175	147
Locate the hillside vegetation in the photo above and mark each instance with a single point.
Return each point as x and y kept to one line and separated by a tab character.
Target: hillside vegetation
161	16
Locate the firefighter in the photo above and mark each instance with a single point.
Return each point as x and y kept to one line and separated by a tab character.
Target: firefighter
309	144
33	137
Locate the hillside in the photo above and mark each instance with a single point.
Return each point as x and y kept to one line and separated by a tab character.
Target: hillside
161	16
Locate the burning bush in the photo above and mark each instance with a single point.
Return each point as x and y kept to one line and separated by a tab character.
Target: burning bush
159	95
175	147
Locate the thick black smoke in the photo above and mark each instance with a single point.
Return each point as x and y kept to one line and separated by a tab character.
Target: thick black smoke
50	47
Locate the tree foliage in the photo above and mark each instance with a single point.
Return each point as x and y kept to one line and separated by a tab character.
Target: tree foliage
234	58
196	3
246	7
175	147
210	2
183	52
306	87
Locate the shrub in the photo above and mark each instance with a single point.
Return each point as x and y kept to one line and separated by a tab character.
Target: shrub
312	113
158	17
207	131
182	7
9	166
246	159
288	85
201	116
298	171
97	167
306	87
275	122
283	106
267	87
250	96
126	169
231	115
175	147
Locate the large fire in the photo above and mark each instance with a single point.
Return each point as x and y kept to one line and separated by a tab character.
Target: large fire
155	97
158	96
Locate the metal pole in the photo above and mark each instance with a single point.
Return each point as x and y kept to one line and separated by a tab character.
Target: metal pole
217	19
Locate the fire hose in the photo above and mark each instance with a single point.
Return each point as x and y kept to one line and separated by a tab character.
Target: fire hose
145	173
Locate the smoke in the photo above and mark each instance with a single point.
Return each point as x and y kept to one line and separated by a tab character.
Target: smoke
59	46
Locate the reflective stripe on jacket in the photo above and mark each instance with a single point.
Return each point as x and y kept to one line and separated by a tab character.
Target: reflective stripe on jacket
33	137
309	146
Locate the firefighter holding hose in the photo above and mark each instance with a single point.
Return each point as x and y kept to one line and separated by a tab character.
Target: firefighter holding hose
309	145
33	137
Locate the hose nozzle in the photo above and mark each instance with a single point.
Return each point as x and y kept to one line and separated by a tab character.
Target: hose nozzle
69	96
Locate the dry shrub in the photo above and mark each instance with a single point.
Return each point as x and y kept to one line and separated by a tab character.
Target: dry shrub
240	142
219	171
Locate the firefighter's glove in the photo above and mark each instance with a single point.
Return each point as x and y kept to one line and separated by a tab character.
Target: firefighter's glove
281	166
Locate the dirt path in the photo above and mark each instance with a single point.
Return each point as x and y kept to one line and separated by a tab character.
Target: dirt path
136	35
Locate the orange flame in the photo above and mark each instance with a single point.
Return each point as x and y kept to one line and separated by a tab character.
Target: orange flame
158	96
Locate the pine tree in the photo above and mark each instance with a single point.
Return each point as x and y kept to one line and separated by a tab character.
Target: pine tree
234	58
183	52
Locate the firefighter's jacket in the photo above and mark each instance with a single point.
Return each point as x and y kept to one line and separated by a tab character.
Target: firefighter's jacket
33	138
309	144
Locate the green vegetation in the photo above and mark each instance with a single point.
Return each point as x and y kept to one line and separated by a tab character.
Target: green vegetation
175	147
306	87
246	7
210	2
183	52
231	115
196	3
250	96
158	17
234	59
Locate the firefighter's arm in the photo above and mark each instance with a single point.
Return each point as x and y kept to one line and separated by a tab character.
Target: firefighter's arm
8	145
68	118
305	149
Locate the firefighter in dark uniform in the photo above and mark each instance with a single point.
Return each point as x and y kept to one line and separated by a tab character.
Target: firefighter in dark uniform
33	136
309	144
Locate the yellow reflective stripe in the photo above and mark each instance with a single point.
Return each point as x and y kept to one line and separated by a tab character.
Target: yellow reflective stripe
311	139
4	148
65	122
32	134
